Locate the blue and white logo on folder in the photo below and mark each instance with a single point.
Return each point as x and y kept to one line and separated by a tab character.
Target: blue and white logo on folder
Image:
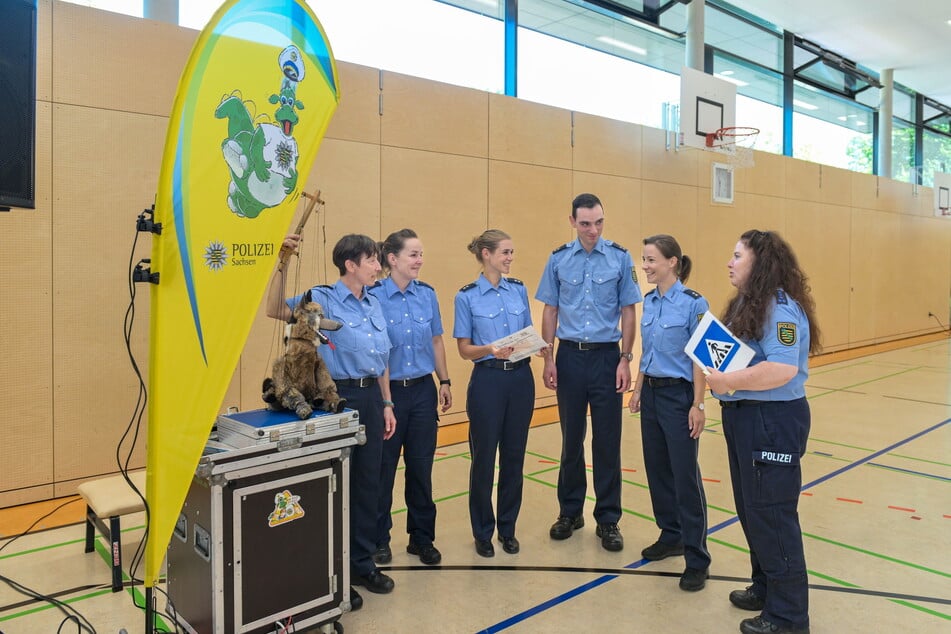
714	346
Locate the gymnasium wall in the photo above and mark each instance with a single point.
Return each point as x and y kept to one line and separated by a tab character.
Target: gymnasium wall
401	151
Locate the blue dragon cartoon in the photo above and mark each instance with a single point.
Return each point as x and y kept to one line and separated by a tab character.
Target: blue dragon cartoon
263	157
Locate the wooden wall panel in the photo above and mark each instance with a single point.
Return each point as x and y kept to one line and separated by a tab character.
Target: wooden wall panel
606	146
803	180
444	199
357	117
718	229
926	242
835	185
44	51
872	276
669	166
525	132
668	208
864	191
824	256
767	177
428	115
137	63
105	165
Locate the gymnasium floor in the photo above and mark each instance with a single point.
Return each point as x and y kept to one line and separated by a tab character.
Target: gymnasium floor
875	510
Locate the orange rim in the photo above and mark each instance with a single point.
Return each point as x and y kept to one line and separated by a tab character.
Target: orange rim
730	136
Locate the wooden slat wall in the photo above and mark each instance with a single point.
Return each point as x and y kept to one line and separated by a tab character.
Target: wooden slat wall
401	151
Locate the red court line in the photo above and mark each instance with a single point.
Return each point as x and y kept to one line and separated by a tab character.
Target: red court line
630	470
915	517
947	517
547	462
710	480
806	493
900	508
848	500
441	453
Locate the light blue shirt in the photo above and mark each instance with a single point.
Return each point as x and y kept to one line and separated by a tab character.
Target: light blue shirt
361	347
668	322
589	290
785	340
412	320
485	313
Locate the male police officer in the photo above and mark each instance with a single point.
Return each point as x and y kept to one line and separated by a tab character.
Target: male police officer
588	286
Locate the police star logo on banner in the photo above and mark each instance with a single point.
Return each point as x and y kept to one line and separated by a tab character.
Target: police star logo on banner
786	332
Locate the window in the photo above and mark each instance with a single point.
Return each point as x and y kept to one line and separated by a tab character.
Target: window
936	156
831	130
903	151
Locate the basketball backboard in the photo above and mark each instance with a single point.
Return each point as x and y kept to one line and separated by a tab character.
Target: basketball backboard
707	103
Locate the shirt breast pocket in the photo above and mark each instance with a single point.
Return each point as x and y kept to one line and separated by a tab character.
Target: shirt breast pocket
422	320
571	288
605	288
673	334
647	325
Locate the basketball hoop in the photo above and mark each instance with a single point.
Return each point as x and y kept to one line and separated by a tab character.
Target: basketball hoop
736	143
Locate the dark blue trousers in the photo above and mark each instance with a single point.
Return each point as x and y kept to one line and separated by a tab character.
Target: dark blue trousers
673	474
416	426
365	462
764	444
586	378
500	405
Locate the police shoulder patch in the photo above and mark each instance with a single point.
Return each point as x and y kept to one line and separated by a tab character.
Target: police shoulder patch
786	332
424	284
634	274
561	248
515	281
692	293
617	246
781	296
467	287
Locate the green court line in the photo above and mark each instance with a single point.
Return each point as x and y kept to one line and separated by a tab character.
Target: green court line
61	544
49	606
841	444
920	608
935	462
549	469
905	472
878	555
819	455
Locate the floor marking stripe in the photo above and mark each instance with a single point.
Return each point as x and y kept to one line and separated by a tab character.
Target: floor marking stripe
518	618
901	508
848	500
910	472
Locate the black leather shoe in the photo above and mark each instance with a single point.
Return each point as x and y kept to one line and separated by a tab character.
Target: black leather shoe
485	548
564	526
746	600
759	625
659	550
383	555
427	554
509	545
375	582
610	536
356	601
694	579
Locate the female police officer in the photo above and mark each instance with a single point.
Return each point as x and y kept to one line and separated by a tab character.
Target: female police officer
358	364
501	394
766	422
415	329
668	392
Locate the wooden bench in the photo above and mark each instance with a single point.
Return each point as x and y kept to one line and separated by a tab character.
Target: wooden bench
111	498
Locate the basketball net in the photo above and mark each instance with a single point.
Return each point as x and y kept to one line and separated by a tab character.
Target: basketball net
736	144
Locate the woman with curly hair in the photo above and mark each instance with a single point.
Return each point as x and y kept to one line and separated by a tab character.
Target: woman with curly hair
766	423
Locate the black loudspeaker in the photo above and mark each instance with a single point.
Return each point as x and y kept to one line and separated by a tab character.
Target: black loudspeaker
17	103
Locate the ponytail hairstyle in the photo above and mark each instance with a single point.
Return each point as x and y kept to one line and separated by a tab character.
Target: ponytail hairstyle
488	239
393	244
669	248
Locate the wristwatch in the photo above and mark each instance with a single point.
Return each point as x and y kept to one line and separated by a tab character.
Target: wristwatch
628	355
699	406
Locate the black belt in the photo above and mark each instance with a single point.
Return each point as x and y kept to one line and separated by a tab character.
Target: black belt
663	382
409	382
503	364
584	345
366	381
742	403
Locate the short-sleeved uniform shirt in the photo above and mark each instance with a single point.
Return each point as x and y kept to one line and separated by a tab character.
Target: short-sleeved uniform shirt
485	313
785	340
412	320
361	348
589	290
668	322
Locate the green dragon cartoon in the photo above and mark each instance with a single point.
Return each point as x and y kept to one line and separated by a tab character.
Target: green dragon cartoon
262	158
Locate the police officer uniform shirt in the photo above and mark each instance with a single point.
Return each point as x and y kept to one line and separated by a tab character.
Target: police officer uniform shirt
668	322
413	319
485	313
362	347
589	290
785	340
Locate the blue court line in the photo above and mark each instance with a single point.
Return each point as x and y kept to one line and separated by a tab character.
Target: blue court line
917	473
522	616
